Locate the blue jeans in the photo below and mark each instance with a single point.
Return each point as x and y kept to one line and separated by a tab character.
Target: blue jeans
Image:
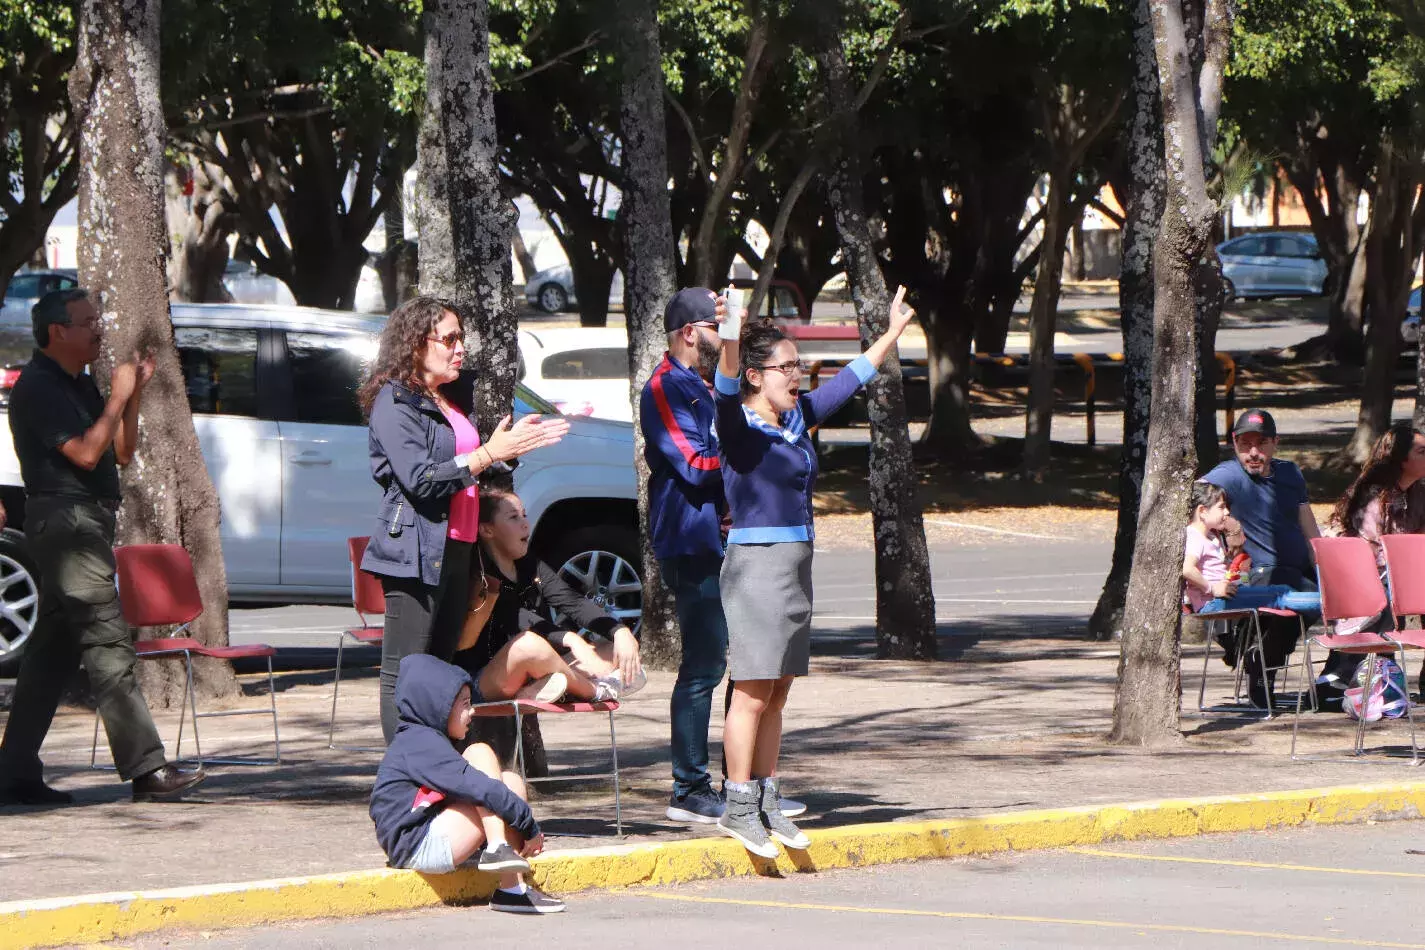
693	579
1278	596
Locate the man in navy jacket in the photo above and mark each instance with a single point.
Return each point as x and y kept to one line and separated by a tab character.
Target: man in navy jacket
685	508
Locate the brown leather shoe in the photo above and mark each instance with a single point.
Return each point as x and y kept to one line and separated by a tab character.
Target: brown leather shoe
166	784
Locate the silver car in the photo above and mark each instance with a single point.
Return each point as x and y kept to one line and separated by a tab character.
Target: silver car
1271	264
552	290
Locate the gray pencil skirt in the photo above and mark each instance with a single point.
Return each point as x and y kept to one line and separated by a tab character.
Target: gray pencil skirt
766	596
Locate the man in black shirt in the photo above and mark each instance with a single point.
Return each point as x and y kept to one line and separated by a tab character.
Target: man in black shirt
70	443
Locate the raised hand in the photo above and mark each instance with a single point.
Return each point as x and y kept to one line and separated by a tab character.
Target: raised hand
124	380
901	315
147	366
626	655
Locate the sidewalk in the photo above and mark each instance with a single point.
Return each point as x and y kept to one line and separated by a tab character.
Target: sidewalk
1000	725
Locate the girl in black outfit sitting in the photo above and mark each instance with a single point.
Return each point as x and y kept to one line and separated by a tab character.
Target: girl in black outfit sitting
522	651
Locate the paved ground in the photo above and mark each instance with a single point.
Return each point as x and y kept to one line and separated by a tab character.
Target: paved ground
1321	887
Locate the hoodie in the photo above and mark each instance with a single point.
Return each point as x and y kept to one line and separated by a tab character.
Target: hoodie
422	770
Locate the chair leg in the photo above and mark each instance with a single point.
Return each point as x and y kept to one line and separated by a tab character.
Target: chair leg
192	706
519	744
336	688
272	694
1306	672
618	803
1371	665
1206	659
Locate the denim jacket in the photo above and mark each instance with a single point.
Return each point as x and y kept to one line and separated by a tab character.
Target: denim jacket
413	460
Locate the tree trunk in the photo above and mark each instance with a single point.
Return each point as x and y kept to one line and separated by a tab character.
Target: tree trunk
465	220
399	264
593	280
947	343
1039	414
526	260
1390	252
1207	282
168	496
1145	708
649	278
905	602
204	223
1143	211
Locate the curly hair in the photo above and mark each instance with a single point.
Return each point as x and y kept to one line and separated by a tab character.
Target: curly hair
758	342
403	342
1379	476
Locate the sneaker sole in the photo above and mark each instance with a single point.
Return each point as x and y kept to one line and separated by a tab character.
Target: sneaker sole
792	808
527	910
690	817
500	867
768	850
794	843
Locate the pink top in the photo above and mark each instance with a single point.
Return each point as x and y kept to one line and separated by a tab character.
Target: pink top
1209	555
465	506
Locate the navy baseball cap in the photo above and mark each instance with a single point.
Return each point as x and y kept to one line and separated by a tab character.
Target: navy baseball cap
690	305
1256	420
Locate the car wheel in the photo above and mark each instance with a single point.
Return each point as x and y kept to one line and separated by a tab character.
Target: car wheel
552	298
19	600
603	564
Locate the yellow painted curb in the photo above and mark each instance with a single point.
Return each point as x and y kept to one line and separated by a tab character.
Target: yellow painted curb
98	917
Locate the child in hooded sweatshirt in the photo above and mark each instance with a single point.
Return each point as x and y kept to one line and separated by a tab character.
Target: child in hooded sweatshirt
434	808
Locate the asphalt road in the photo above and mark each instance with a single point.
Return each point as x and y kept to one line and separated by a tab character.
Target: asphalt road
1321	887
1023	584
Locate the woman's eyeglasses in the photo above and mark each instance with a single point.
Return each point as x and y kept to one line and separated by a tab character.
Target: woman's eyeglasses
788	368
450	340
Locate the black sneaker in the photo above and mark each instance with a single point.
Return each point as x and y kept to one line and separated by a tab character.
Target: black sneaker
532	901
500	859
701	806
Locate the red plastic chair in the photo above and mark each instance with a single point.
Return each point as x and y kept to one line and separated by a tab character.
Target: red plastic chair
1254	643
1350	587
369	599
157	588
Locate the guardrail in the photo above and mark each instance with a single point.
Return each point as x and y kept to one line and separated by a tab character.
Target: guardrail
1087	363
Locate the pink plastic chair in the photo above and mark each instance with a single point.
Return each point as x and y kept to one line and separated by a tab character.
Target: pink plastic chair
369	599
1351	587
158	588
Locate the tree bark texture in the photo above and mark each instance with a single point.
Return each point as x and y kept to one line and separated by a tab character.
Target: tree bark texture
202	221
649	279
1145	708
905	600
168	496
1143	204
1039	413
465	220
1391	253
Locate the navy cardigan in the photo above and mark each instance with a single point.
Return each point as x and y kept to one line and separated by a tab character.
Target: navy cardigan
769	473
413	460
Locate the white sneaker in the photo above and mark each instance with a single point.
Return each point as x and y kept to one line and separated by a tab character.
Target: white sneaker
606	688
626	690
546	689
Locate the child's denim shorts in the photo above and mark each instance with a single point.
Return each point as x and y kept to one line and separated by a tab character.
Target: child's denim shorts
433	855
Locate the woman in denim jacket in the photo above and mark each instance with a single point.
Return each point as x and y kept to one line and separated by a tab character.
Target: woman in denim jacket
425	454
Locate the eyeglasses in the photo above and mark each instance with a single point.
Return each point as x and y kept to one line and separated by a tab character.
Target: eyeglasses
789	368
450	340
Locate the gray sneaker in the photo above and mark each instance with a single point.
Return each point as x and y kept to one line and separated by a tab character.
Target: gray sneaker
501	859
776	822
740	819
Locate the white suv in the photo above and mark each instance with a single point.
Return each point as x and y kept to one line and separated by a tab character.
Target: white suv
273	393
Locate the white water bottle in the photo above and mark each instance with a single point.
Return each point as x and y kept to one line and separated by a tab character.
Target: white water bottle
731	326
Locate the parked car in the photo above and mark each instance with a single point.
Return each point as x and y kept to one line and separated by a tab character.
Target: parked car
26	287
273	391
552	290
582	370
1272	263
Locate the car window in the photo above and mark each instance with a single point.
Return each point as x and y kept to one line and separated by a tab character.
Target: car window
327	369
604	362
219	370
1248	247
23	285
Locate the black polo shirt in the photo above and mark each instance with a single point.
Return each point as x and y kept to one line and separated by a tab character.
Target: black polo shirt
48	407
